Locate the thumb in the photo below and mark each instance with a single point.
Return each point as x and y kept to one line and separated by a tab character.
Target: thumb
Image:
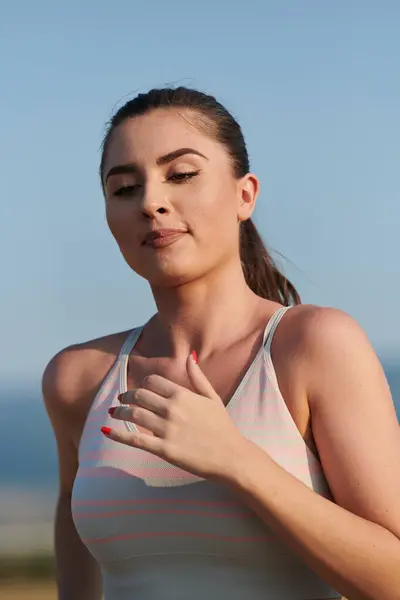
199	381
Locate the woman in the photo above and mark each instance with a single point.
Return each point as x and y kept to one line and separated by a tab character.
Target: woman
232	447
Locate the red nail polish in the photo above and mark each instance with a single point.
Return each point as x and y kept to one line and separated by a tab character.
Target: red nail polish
194	356
106	430
111	410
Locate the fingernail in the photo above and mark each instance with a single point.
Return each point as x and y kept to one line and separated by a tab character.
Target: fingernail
195	357
106	430
111	410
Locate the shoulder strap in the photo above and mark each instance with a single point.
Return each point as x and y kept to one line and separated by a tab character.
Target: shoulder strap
125	351
129	343
272	325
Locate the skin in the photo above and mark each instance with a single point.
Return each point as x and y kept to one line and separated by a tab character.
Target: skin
329	375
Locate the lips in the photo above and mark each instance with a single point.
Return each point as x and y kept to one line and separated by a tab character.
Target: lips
163	237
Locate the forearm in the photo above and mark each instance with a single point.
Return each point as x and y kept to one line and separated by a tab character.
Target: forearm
78	575
358	558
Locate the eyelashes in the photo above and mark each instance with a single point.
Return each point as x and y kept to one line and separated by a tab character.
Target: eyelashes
183	177
177	178
126	190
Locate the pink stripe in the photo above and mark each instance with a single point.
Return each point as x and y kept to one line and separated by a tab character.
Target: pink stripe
165	511
108	455
109	472
294	461
154	501
294	458
152	534
103	472
170	472
285	452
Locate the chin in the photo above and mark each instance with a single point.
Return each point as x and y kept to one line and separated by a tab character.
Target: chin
169	279
170	273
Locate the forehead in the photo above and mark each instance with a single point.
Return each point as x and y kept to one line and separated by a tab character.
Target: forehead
147	137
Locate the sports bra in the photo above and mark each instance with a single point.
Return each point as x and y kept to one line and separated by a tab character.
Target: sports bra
161	533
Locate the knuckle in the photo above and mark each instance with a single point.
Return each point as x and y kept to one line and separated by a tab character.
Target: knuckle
135	412
170	452
169	411
137	394
165	410
174	398
147	380
135	439
174	411
178	399
150	380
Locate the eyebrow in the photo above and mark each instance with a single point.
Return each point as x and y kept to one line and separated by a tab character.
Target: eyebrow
162	160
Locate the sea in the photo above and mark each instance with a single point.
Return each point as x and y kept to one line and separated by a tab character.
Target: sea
28	467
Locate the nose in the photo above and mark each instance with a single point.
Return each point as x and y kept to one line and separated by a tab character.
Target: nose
154	201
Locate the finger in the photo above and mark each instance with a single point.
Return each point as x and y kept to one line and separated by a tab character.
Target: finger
146	399
150	443
160	385
199	381
140	416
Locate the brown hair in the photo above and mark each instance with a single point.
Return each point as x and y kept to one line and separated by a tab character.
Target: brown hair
260	271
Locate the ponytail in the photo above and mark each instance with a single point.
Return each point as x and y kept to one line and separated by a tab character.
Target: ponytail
261	274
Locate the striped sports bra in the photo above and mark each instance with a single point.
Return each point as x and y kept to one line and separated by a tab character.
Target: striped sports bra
161	533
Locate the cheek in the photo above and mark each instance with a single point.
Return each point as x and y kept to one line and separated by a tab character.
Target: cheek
121	222
213	210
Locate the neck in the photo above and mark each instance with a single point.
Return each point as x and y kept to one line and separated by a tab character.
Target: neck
200	314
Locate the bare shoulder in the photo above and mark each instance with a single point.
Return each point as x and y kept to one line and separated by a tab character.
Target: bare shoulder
332	347
74	375
304	331
317	325
70	382
310	322
325	365
317	331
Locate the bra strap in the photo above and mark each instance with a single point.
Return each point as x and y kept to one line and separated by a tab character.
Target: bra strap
272	325
123	357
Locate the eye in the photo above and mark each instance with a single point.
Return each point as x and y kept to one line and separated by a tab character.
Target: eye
126	190
183	177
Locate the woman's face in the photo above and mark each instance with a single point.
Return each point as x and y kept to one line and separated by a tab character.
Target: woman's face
172	201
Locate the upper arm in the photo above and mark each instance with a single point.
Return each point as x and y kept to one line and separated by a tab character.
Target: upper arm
353	418
60	403
70	382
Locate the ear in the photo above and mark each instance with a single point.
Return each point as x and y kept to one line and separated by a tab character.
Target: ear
248	192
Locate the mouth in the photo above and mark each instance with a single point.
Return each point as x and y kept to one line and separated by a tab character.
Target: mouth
160	238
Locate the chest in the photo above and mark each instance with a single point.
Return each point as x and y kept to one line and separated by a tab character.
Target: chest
224	370
227	372
128	503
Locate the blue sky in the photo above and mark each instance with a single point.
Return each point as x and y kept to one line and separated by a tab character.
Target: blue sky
316	88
